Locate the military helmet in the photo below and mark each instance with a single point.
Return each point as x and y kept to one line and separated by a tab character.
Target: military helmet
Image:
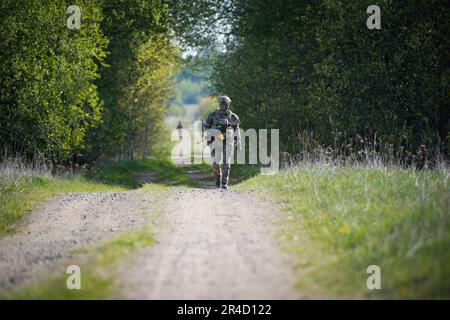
224	100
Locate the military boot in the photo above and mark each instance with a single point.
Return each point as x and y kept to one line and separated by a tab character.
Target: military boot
225	176
217	172
218	180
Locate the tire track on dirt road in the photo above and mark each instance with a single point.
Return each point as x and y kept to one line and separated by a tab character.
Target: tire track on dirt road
212	244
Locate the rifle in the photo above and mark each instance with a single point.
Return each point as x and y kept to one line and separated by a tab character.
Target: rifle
222	134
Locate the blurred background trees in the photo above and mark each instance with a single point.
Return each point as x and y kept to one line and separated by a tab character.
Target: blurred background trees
102	92
141	63
48	95
80	95
314	66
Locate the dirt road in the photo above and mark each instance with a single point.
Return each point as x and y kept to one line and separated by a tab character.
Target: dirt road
49	235
214	245
211	244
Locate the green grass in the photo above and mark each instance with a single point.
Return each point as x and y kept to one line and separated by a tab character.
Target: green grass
20	195
97	264
121	173
338	221
97	274
242	172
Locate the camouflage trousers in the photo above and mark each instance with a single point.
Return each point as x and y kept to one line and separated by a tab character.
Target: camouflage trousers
221	163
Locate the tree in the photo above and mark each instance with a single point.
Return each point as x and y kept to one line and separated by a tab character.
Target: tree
47	93
141	64
315	66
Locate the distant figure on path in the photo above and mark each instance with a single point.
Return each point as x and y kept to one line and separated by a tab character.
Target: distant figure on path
180	130
180	135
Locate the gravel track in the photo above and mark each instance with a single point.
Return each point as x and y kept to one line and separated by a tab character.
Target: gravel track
213	244
49	235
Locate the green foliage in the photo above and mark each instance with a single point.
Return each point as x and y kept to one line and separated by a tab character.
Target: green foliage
97	286
340	220
175	110
206	106
188	91
314	66
47	93
191	95
84	94
137	81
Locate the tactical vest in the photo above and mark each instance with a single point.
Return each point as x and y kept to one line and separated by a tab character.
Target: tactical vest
222	122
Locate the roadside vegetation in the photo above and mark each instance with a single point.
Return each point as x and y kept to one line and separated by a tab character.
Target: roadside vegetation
24	186
363	114
98	271
338	220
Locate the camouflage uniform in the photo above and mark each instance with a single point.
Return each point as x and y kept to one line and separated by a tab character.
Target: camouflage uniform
227	123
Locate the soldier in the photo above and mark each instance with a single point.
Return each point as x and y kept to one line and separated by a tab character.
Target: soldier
180	130
180	136
225	123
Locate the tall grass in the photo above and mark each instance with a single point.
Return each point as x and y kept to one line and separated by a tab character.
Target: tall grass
345	211
12	170
359	151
